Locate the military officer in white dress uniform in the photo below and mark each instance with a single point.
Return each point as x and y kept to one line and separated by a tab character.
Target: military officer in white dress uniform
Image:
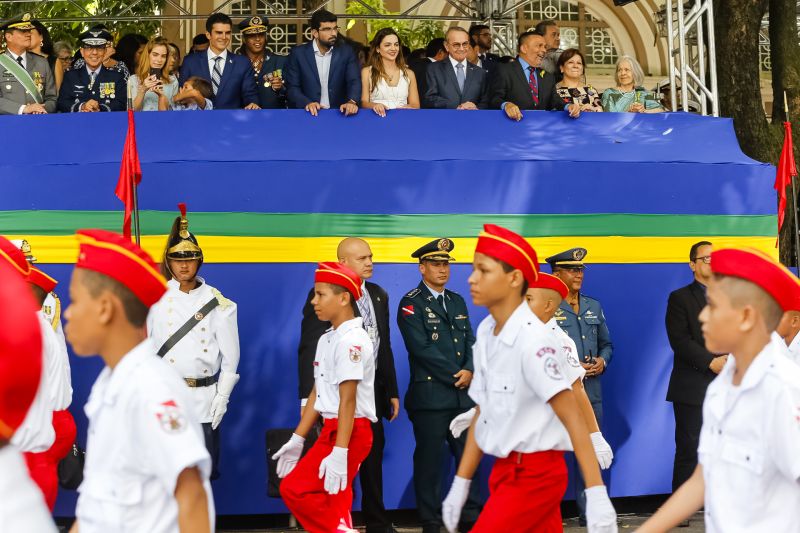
195	330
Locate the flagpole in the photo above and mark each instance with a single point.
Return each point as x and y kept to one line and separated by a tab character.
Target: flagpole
136	231
794	202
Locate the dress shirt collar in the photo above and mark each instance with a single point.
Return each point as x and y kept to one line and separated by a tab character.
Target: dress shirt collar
454	63
525	65
521	315
174	284
23	55
347	325
95	71
435	293
317	51
212	55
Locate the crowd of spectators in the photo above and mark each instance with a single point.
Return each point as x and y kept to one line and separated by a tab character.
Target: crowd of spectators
458	71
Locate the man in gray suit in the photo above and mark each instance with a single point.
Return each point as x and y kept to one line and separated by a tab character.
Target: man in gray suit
27	85
454	82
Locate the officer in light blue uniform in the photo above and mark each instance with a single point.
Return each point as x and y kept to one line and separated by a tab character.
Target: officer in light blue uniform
583	319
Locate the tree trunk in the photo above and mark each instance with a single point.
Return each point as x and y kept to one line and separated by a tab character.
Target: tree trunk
785	57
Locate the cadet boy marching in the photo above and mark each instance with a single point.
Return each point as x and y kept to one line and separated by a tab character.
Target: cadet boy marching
319	489
194	327
93	87
27	84
748	472
146	466
527	415
434	322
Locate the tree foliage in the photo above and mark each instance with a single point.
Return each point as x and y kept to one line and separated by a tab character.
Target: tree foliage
412	33
87	9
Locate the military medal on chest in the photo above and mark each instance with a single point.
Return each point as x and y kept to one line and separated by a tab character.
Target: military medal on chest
37	80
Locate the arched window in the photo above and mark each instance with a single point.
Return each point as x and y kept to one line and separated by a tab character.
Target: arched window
579	28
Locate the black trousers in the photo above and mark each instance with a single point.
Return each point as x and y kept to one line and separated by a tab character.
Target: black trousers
211	436
688	422
371	476
432	433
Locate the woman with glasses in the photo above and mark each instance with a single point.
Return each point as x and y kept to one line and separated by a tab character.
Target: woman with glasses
386	81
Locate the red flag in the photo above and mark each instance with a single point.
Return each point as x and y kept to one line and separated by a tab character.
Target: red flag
130	174
786	169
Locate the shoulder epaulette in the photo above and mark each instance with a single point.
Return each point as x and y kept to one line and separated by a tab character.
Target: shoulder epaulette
413	293
224	303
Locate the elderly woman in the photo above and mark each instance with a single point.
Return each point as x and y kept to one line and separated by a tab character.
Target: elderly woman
629	95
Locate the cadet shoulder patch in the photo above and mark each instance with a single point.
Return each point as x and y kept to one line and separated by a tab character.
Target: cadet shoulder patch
170	417
355	354
413	293
547	350
552	369
224	303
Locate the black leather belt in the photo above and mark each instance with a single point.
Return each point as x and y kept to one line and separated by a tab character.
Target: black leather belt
200	382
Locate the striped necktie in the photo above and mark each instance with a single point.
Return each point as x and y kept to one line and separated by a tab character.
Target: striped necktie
216	75
534	85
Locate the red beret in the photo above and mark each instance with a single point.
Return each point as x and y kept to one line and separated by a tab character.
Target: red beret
757	267
20	350
14	257
549	281
338	274
115	256
42	280
507	246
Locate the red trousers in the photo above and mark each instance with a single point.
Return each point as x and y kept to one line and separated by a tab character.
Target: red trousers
43	466
525	491
303	491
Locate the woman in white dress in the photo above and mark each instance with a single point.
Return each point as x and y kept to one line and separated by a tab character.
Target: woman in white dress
152	88
386	81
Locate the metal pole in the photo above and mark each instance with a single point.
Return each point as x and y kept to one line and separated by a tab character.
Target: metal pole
794	200
136	231
673	96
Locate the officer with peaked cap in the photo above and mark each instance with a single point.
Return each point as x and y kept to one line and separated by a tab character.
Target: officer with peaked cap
93	87
434	322
582	318
27	83
267	67
195	330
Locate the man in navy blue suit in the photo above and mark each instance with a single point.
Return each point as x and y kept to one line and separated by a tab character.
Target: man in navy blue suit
231	76
320	75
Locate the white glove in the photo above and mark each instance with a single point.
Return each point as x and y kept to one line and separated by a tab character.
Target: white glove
454	502
334	469
600	514
289	454
219	405
602	450
462	422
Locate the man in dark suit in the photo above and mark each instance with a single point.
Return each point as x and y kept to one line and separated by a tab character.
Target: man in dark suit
374	309
93	87
231	76
482	35
267	67
694	367
455	83
435	51
434	322
320	75
523	84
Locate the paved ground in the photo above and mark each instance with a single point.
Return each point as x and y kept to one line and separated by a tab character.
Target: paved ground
629	524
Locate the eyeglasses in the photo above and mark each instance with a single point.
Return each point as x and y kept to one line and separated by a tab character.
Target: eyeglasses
705	259
334	28
457	46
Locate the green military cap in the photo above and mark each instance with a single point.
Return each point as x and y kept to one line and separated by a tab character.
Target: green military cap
21	22
572	258
436	250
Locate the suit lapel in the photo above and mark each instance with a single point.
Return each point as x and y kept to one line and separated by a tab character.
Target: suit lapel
450	74
227	73
524	80
312	62
204	64
334	66
699	295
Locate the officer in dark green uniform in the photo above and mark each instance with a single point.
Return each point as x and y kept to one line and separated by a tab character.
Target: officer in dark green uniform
438	336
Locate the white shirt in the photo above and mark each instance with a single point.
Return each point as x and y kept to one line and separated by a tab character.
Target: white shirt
61	378
212	345
142	434
750	447
221	66
24	57
455	67
436	295
516	374
345	354
323	69
569	353
793	350
22	506
36	434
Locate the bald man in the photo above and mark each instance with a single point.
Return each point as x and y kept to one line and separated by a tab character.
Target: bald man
374	309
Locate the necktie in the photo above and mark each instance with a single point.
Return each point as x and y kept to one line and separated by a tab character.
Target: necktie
369	322
216	75
440	299
460	76
19	60
532	82
92	78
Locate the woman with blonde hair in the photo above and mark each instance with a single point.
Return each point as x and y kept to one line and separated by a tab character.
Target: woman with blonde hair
386	81
152	88
629	95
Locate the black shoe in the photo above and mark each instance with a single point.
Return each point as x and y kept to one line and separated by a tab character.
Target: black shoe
466	527
582	521
431	528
